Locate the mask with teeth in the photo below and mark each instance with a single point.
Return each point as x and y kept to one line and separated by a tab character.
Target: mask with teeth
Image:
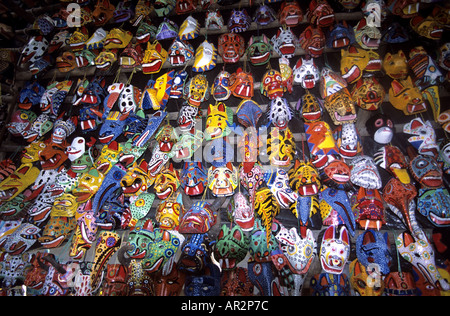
194	253
222	180
341	35
264	15
272	85
185	6
231	247
241	84
187	117
280	147
336	174
310	107
312	40
194	178
335	249
367	35
340	107
214	20
35	48
137	179
197	90
168	212
404	95
167	182
30	95
180	52
368	93
404	8
240	212
290	13
166	137
320	13
187	145
221	87
285	42
239	21
154	58
21	122
117	38
103	12
370	208
278	182
280	113
106	59
348	140
424	139
306	73
259	50
218	122
364	173
304	178
353	62
231	47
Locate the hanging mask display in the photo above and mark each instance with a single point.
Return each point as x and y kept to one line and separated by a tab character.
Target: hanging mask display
139	281
218	152
241	84
321	143
272	85
180	52
30	95
231	247
334	249
312	40
348	140
199	217
381	128
240	212
372	247
189	29
341	209
156	94
278	182
168	212
341	35
360	280
154	58
214	20
231	47
193	253
368	93
145	32
392	159
290	13
179	79
435	205
370	207
218	122
205	57
107	244
221	87
304	178
327	284
424	67
367	35
400	284
185	6
187	145
320	13
340	107
280	147
131	56
207	284
54	96
117	38
259	50
285	42
424	139
166	182
187	117
306	73
280	113
194	178
166	138
248	113
417	250
21	239
364	173
197	90
330	82
310	107
426	171
396	65
21	122
239	21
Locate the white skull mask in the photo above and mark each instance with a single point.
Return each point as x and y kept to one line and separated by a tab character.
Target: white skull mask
334	250
280	113
285	42
306	73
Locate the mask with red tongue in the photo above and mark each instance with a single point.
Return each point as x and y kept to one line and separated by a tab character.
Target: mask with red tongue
306	73
278	182
194	178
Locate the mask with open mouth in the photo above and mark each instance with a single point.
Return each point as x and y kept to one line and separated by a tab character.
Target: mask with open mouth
259	50
341	35
167	182
404	95
368	93
180	52
340	107
85	231
280	147
404	8
164	7
280	113
240	212
370	208
107	244
222	180
310	107
214	20
395	65
193	178
348	140
312	40
336	174
187	117
197	90
179	79
272	85
335	249
137	179
53	156
285	42
34	49
88	184
157	161
241	84
57	230
117	38
200	216
154	58
166	137
353	62
290	13
239	21
304	178
231	247
330	82
218	122
424	139
194	252
187	145
185	6
168	212
364	173
106	59
320	13
367	35
278	182
221	87
103	12
21	239
231	47
30	95
306	73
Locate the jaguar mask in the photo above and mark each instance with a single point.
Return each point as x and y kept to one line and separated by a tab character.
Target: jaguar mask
222	180
368	93
231	247
280	147
166	182
335	249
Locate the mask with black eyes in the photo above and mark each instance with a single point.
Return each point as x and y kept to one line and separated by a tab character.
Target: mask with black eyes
381	128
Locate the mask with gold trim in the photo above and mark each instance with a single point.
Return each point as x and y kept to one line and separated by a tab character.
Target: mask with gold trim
197	90
205	57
